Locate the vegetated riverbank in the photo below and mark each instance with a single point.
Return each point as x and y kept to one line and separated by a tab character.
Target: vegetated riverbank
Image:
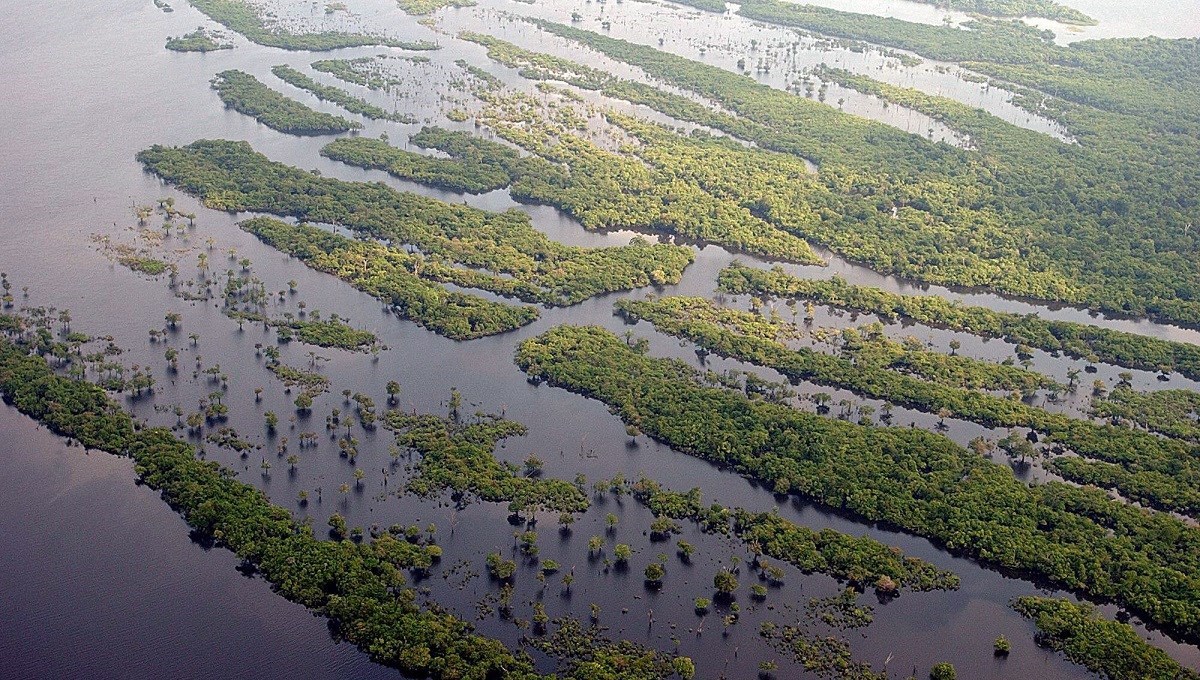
911	479
1106	647
1156	471
246	94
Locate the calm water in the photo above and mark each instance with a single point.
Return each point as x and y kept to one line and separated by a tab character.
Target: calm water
101	577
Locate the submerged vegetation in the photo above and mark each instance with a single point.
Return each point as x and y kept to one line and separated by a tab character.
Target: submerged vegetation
246	94
1159	472
499	252
336	95
909	479
199	40
388	274
360	587
1083	341
242	17
458	456
422	7
861	560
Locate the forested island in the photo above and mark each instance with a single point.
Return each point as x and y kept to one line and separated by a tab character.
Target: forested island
246	94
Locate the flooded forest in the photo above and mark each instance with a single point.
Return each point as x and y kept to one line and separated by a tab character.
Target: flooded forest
468	339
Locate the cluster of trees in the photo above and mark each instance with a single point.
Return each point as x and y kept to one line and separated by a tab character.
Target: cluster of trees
918	481
458	456
861	560
1160	472
602	189
1083	341
231	176
1023	213
401	280
331	332
359	586
475	165
366	71
1175	413
246	94
198	40
336	95
243	17
1112	649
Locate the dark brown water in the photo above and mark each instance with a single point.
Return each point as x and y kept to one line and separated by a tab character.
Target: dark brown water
99	575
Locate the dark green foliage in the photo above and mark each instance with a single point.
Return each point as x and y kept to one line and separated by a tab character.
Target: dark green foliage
1171	412
862	560
910	479
388	274
1112	649
459	457
323	333
245	94
475	166
359	586
1160	472
336	95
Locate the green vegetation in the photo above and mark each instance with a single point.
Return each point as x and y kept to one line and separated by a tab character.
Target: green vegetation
336	95
603	190
331	332
1175	413
503	252
906	478
1159	472
388	274
824	655
310	383
458	456
475	166
1092	343
365	71
358	586
422	7
1112	649
246	94
860	560
1020	212
242	17
198	40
